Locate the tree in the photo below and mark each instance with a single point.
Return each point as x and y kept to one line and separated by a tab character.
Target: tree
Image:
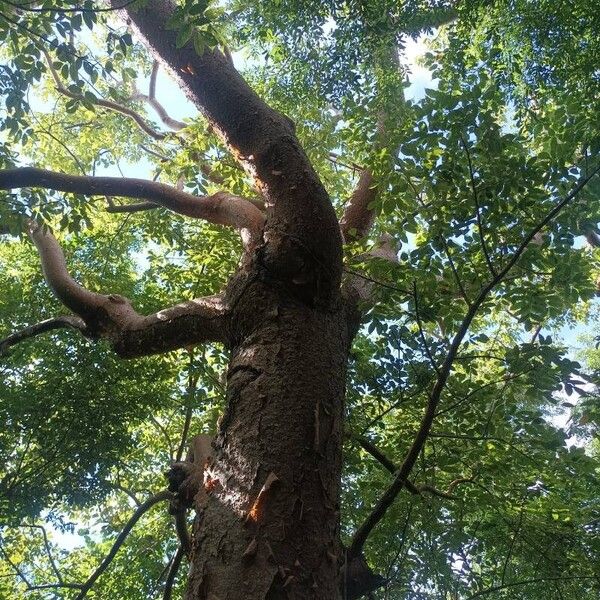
417	253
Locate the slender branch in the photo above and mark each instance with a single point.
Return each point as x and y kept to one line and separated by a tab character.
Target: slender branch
141	510
455	272
504	586
173	569
512	544
169	121
421	334
390	494
376	453
220	208
65	321
48	551
477	208
108	104
32	587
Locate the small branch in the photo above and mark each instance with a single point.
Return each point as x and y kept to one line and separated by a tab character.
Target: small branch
421	334
512	544
32	587
220	208
498	588
478	209
173	569
455	272
65	321
414	489
169	121
108	104
144	508
399	482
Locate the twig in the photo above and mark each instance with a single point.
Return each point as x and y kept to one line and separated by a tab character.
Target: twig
174	568
141	510
478	209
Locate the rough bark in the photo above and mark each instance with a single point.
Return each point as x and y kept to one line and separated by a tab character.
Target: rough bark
267	522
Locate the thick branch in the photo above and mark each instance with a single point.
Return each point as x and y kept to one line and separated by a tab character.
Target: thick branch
144	508
113	318
399	482
302	233
221	208
64	321
358	214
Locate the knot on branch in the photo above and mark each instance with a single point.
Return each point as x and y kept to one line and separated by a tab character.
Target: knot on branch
185	481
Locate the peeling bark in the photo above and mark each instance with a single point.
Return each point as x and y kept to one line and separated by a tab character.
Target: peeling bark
267	526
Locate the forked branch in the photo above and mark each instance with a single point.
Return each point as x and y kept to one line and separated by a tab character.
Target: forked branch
150	98
108	104
112	317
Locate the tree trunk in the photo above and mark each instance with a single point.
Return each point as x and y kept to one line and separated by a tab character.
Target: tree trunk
267	522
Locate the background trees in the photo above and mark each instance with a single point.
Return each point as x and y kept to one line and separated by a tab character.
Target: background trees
502	499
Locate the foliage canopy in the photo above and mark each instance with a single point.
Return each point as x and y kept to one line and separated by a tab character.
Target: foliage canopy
506	500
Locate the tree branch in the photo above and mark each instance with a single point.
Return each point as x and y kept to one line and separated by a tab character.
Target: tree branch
32	587
173	569
64	321
399	482
113	318
376	453
108	104
150	98
497	588
220	208
141	510
484	247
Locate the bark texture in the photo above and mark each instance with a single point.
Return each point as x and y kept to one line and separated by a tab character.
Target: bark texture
267	522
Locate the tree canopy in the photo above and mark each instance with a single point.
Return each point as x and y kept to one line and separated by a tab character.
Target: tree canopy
471	457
